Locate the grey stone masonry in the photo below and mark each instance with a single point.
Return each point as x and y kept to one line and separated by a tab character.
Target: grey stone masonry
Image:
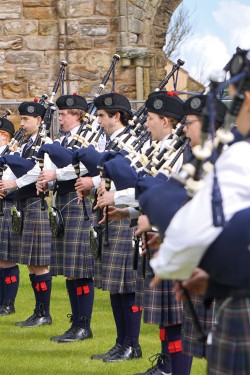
35	35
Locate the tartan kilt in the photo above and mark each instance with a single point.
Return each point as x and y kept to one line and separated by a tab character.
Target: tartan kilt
71	254
229	353
190	336
33	246
114	272
5	230
159	303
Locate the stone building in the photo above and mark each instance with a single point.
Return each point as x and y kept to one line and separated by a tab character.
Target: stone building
35	35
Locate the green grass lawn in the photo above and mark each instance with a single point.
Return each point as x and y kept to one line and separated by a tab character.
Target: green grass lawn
30	351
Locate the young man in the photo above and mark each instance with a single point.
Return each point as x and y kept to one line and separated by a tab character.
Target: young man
160	305
9	271
33	245
114	271
223	248
71	254
160	124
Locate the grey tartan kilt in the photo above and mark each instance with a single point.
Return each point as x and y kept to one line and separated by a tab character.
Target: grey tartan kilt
229	353
33	246
71	254
5	230
190	336
114	272
159	303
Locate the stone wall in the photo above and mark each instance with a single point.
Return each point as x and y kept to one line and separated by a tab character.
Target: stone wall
35	35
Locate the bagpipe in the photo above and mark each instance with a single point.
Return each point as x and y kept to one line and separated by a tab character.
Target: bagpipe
213	142
19	165
62	156
47	123
130	151
80	137
138	120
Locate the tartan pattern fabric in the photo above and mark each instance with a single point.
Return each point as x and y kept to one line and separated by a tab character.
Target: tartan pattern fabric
114	272
190	336
159	303
71	253
229	352
33	246
5	230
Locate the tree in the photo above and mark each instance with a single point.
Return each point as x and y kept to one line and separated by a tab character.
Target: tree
179	29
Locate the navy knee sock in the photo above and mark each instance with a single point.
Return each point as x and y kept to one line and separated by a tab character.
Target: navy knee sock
132	315
70	285
85	301
1	288
43	285
11	283
32	281
118	313
180	362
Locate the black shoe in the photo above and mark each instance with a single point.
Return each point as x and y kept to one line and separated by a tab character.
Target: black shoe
156	370
65	334
7	308
19	324
76	334
111	352
124	353
36	321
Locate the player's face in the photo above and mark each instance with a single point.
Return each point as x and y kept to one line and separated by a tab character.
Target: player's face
155	125
192	129
67	120
30	124
108	124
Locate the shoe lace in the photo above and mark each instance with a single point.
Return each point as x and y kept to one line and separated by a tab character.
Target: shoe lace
154	359
72	330
70	316
115	348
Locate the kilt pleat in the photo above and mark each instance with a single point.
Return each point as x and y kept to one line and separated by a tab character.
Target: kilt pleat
33	246
5	230
114	272
71	253
159	303
229	353
190	336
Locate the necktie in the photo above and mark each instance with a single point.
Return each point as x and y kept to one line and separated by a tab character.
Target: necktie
108	140
65	140
27	147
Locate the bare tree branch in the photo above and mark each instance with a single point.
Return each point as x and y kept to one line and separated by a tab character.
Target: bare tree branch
179	29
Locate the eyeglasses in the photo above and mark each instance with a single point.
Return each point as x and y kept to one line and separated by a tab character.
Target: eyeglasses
190	122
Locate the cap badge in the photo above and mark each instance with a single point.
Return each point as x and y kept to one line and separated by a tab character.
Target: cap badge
195	103
30	109
158	104
70	102
108	101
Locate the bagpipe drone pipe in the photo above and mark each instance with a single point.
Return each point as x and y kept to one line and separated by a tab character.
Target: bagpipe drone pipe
62	156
